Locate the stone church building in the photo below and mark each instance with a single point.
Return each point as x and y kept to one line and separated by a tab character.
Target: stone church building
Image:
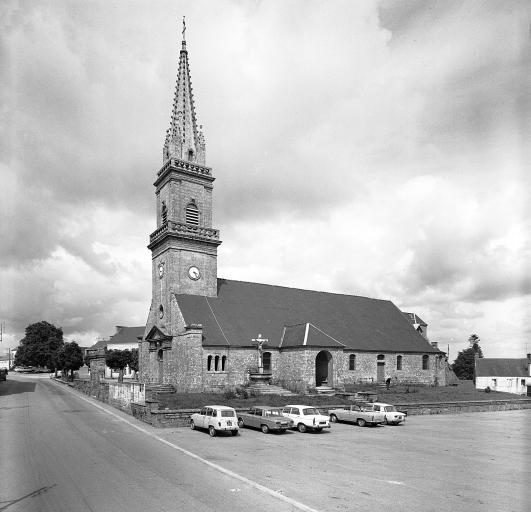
202	331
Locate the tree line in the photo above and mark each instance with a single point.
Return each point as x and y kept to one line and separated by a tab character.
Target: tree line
43	346
463	366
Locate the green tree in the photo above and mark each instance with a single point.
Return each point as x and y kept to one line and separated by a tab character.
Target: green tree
474	340
133	363
37	348
463	365
69	358
118	360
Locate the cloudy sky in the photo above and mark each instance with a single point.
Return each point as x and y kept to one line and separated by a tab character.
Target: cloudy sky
371	148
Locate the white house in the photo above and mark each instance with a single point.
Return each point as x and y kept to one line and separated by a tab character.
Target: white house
125	338
503	374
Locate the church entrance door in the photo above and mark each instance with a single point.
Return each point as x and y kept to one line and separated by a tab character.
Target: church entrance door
323	369
380	374
160	357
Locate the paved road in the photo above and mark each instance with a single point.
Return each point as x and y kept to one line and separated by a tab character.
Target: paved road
64	451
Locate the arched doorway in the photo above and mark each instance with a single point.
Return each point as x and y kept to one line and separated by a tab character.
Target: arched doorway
160	359
324	369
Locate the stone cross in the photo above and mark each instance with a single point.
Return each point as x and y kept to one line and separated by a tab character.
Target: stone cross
260	344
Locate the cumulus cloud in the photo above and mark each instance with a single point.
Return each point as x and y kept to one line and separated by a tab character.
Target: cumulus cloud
377	149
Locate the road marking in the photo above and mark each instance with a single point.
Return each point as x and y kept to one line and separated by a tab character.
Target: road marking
256	485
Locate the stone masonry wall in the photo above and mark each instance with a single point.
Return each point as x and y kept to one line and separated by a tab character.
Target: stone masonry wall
296	368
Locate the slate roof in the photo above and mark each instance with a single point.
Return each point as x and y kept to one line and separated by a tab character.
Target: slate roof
98	344
501	367
242	311
127	335
413	318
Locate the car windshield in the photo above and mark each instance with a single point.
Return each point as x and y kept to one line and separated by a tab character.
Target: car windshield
273	412
227	414
390	408
310	411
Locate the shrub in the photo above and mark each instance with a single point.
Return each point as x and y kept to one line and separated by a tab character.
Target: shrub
229	394
487	389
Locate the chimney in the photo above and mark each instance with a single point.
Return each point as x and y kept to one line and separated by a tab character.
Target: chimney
434	344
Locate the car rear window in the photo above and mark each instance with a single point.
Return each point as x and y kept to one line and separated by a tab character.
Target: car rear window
310	411
274	412
227	414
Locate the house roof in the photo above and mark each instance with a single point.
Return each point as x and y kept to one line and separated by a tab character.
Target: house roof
99	344
501	367
413	319
242	311
127	336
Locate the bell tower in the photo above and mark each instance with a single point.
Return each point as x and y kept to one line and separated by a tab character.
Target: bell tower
184	245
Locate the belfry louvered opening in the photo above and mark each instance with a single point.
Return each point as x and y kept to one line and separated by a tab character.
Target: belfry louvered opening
192	214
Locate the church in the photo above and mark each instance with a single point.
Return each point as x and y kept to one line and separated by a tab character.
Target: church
206	333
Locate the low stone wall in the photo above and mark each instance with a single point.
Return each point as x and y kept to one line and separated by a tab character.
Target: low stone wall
118	394
130	401
462	407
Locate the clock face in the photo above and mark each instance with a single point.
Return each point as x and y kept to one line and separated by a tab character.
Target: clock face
161	269
193	273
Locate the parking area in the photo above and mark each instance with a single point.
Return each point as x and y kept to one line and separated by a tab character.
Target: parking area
467	462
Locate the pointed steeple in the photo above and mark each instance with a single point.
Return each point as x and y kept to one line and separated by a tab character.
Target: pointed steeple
183	140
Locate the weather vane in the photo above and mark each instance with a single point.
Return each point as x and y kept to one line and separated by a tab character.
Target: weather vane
184	28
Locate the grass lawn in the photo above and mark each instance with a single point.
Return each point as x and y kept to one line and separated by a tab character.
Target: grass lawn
464	391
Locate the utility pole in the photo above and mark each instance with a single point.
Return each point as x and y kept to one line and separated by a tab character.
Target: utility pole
2	330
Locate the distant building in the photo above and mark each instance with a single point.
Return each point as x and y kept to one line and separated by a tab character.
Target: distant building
503	374
6	362
125	338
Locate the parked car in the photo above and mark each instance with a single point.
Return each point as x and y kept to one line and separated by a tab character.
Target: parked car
24	369
362	414
391	415
41	370
305	416
215	418
265	418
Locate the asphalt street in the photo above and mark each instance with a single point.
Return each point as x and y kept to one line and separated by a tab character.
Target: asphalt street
64	451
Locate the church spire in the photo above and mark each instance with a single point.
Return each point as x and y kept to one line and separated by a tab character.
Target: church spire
183	139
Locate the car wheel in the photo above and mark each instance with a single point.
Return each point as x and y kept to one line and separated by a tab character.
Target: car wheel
333	418
301	427
318	429
265	429
361	422
212	431
234	432
241	424
385	422
192	425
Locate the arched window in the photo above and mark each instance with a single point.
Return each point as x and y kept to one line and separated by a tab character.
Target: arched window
352	362
266	361
223	363
164	211
398	362
209	363
190	155
216	363
381	357
425	362
192	214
